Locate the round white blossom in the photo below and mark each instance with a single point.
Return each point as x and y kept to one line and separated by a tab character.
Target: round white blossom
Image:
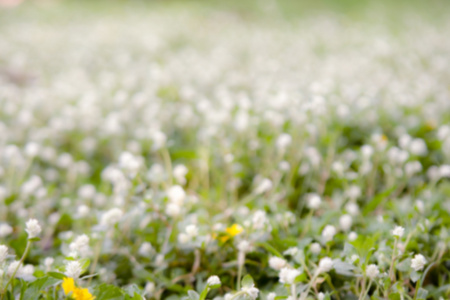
111	217
251	291
277	263
5	230
346	222
213	281
32	228
271	296
328	233
314	201
325	265
315	248
73	269
372	271
398	231
176	194
287	275
418	262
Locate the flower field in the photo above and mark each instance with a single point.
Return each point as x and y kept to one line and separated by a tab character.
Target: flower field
189	151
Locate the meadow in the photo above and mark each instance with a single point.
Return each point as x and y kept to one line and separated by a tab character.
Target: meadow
225	150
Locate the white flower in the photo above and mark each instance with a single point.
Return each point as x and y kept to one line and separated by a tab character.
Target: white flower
80	245
213	281
346	222
271	296
159	260
27	270
367	151
192	230
32	149
5	230
86	191
48	262
315	248
173	209
264	186
176	194
183	238
277	263
314	201
372	271
320	296
73	269
418	262
145	249
251	291
352	208
244	246
287	275
3	253
398	231
159	139
354	258
149	288
259	219
283	141
418	147
83	211
33	228
179	172
12	268
328	233
291	251
325	265
413	167
111	217
352	236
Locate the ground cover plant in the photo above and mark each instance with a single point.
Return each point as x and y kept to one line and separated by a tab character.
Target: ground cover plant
194	152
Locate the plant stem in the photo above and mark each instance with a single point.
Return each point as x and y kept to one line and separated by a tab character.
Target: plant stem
391	269
27	249
364	293
241	260
294	291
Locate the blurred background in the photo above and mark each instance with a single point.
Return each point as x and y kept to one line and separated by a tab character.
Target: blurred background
284	9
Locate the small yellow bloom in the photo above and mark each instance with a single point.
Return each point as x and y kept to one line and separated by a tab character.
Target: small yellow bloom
234	230
82	294
231	231
68	285
77	293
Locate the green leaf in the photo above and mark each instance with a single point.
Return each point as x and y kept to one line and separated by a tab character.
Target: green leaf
193	295
36	287
414	276
56	275
270	249
247	281
376	201
422	294
344	268
300	278
108	292
394	296
85	262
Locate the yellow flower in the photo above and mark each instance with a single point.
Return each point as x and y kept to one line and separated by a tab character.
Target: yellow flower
231	231
68	285
77	293
82	294
234	230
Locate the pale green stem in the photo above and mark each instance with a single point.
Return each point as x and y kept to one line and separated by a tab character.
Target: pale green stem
11	279
391	269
